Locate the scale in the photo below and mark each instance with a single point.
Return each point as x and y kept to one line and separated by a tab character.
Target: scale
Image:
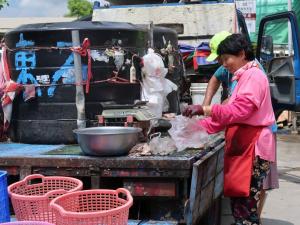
132	115
140	114
138	111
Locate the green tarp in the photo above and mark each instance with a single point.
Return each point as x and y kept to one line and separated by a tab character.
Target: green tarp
267	7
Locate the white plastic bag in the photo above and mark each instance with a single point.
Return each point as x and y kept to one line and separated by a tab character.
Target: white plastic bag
187	133
154	65
161	145
155	86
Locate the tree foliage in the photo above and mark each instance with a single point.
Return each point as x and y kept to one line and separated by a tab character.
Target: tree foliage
3	3
79	8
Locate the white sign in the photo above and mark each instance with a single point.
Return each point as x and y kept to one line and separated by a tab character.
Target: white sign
250	25
248	8
43	79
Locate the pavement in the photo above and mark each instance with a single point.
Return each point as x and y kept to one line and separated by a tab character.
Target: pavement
282	206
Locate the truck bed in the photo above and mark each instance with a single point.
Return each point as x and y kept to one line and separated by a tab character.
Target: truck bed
180	187
64	160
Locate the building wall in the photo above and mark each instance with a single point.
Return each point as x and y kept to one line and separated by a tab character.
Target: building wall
199	21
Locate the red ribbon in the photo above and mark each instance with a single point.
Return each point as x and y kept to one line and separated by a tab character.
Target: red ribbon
11	86
5	64
85	51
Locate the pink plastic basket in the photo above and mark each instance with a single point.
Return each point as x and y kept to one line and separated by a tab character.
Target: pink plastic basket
27	223
31	196
93	207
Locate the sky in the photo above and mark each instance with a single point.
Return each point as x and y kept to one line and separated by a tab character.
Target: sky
35	8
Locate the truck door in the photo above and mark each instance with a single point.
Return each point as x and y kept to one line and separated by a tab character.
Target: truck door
280	58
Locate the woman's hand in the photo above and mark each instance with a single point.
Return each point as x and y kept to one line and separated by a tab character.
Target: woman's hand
193	110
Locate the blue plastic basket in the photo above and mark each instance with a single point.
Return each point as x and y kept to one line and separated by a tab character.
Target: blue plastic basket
4	205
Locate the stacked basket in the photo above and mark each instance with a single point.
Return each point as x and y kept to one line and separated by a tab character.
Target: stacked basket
59	200
31	196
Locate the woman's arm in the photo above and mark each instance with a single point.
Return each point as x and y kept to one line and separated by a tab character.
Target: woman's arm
240	109
212	88
211	127
223	115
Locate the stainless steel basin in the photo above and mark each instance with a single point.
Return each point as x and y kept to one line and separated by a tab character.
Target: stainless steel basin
107	141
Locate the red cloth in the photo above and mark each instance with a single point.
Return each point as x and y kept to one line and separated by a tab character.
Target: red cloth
5	64
238	159
10	91
29	92
199	57
86	51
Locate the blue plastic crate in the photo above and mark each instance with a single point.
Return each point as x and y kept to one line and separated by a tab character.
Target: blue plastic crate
4	205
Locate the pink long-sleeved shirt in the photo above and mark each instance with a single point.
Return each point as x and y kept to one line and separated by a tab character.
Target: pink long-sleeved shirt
250	103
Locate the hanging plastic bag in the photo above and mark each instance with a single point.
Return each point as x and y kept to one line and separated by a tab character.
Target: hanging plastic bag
154	65
155	86
187	133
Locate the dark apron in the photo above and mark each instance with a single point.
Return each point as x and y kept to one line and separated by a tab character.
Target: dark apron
238	159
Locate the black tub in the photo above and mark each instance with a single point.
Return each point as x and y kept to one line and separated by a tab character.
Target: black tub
51	116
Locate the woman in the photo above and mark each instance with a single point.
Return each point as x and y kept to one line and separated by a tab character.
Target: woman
246	118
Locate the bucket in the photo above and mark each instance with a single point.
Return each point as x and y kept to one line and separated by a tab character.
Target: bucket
198	90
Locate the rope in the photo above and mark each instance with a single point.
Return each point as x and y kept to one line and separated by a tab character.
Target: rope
84	50
131	50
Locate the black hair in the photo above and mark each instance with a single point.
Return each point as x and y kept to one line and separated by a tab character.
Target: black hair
234	44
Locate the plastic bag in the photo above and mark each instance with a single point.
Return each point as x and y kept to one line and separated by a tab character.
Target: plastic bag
161	145
154	65
119	59
187	133
155	86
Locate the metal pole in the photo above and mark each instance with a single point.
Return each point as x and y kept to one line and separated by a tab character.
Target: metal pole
290	40
289	5
151	41
80	98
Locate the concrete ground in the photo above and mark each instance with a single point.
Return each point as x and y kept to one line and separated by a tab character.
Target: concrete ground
282	205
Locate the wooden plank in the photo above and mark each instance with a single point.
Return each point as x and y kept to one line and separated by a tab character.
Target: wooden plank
161	164
151	188
218	189
25	171
195	192
206	200
110	172
206	184
220	163
219	181
95	182
209	165
62	171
